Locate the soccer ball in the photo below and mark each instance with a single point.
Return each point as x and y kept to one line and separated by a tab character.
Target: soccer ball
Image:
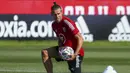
66	52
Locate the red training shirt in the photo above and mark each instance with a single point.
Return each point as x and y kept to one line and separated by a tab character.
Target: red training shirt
65	31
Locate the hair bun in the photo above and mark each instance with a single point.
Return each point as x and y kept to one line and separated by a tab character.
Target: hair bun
54	3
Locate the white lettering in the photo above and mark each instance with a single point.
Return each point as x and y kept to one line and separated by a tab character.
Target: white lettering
79	10
121	32
42	24
50	29
19	29
33	28
119	37
2	29
69	10
128	10
102	10
84	30
120	10
8	31
15	25
22	30
91	10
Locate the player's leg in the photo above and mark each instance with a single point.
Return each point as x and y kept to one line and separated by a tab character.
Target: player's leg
47	54
75	65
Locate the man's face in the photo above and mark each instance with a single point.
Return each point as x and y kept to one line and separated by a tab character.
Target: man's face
57	14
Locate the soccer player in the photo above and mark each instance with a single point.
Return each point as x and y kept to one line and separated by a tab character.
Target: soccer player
68	35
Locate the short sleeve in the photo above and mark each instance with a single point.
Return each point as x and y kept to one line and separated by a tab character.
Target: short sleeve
72	26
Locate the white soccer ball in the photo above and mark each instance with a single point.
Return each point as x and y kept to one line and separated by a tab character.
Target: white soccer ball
66	52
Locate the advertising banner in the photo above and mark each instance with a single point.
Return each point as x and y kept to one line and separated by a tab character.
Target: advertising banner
113	28
96	20
70	7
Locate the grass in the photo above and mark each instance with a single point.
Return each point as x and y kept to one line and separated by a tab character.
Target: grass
25	57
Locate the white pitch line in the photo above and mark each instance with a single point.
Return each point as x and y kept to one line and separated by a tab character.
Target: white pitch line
19	70
30	71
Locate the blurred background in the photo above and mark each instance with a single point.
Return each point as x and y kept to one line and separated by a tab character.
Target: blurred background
25	29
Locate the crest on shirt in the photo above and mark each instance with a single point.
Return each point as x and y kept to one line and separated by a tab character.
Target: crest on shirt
64	29
62	38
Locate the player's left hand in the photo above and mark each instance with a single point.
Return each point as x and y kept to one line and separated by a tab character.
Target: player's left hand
72	57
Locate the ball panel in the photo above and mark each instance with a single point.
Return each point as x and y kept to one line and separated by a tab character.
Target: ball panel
66	52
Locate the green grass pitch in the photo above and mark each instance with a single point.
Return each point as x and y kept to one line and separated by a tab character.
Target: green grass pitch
25	57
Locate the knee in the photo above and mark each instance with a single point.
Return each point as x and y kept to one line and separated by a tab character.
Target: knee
44	53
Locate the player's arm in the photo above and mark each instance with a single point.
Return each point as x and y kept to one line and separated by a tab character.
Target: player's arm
79	41
75	32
